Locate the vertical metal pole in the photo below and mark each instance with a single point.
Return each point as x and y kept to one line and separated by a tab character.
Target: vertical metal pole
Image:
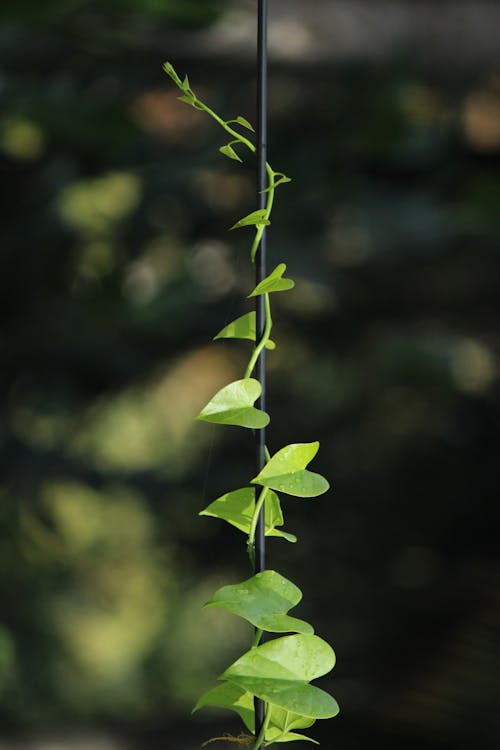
260	544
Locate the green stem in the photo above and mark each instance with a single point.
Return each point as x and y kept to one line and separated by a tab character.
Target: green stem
269	207
265	338
240	138
262	734
257	637
253	525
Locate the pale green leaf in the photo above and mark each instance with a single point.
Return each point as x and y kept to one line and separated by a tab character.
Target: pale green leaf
237	508
255	219
285	720
286	472
233	405
243	327
264	601
279	672
230	696
185	84
229	151
244	123
282	178
274	282
170	70
276	735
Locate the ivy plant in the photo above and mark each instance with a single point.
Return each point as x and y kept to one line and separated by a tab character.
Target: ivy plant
279	669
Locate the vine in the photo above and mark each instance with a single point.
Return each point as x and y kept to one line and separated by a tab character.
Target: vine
278	671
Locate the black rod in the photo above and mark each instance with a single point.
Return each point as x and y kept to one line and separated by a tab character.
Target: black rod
260	540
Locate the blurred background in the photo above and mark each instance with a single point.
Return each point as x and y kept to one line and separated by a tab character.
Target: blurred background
116	271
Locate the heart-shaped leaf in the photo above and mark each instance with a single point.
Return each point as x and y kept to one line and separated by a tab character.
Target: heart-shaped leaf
233	404
229	151
279	672
264	601
274	282
286	471
237	508
255	219
230	696
243	327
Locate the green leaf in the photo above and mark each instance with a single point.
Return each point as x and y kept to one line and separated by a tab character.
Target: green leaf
285	720
286	472
233	698
243	327
233	405
276	735
282	178
255	219
279	672
263	601
187	98
237	508
229	151
241	121
274	282
185	84
170	70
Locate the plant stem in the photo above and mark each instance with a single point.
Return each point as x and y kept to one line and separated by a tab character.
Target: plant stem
253	526
269	207
258	506
265	338
262	734
257	637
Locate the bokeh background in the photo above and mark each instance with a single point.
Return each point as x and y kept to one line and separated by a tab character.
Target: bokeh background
116	271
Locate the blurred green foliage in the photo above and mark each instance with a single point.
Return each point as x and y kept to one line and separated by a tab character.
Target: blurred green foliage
116	270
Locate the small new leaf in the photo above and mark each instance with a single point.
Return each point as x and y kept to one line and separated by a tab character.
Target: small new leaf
255	219
282	178
243	327
274	282
229	151
243	122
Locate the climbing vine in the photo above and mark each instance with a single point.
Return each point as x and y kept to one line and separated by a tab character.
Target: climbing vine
278	671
